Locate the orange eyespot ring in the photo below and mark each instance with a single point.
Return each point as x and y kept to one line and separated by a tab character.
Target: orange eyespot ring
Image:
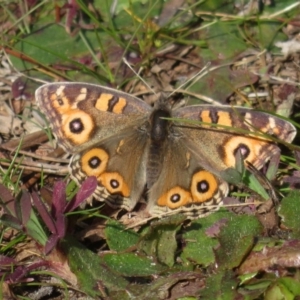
60	104
250	149
174	198
77	126
114	183
94	162
203	187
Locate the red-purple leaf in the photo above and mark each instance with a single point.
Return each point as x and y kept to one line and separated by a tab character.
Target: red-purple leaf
7	199
11	221
46	195
294	180
6	261
40	206
86	190
25	206
72	12
51	243
61	225
59	199
19	273
18	209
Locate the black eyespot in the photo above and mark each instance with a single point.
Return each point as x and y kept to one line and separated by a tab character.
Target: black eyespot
175	198
76	126
94	162
244	150
202	186
60	101
114	184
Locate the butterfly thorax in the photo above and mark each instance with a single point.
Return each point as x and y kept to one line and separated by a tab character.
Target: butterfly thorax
159	128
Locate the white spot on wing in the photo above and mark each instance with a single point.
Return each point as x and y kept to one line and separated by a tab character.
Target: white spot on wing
60	90
82	95
272	123
248	121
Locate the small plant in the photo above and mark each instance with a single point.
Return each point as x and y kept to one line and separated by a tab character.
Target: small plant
55	220
18	213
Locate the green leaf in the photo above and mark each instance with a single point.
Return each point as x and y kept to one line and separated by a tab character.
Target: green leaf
35	229
200	246
220	286
278	291
64	49
90	269
267	33
219	34
254	184
291	284
216	6
176	284
161	233
236	240
289	211
131	264
232	175
118	237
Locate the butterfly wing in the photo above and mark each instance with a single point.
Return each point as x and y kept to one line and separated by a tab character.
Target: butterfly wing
245	130
183	184
119	164
82	114
197	154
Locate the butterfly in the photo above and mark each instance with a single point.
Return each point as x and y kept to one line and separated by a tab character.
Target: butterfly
131	147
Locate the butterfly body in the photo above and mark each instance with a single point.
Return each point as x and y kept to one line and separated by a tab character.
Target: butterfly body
130	146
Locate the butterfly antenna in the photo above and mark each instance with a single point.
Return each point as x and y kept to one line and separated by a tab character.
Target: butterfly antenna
203	72
138	74
194	78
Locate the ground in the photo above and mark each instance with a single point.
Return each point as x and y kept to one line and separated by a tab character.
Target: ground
237	54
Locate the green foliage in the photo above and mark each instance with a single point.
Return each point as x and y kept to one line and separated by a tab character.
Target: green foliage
220	286
132	265
118	237
236	240
89	269
289	212
159	240
200	246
